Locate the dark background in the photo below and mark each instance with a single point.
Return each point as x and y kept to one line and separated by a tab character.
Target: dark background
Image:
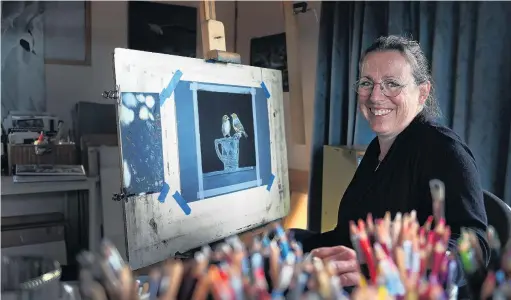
178	24
212	106
270	52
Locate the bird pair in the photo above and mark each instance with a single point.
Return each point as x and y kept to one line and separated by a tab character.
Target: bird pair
236	124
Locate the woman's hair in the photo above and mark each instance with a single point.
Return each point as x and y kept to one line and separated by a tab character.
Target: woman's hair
413	53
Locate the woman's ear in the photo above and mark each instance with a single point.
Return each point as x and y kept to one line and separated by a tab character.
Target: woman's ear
424	90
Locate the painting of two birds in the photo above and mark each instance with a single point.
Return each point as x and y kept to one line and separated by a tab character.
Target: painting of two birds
224	139
229	146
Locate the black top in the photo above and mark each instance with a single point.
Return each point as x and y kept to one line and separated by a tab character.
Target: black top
423	151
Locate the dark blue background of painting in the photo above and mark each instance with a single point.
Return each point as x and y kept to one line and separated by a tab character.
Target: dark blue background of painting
141	143
187	148
212	106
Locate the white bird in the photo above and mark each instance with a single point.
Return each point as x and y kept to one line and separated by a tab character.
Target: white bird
236	124
226	126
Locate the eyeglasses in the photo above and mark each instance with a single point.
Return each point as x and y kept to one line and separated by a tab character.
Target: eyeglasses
389	88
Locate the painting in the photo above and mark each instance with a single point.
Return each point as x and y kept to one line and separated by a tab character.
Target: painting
203	158
162	28
227	126
23	77
67	32
233	135
270	52
141	143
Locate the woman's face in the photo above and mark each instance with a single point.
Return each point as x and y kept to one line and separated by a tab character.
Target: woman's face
388	97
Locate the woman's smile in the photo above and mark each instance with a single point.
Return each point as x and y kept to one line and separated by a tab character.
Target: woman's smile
380	112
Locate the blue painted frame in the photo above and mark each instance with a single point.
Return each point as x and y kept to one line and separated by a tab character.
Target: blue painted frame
195	185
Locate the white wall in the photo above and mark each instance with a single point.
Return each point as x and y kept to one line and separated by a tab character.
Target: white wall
67	85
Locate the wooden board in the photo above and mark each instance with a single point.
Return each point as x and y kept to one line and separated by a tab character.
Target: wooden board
170	135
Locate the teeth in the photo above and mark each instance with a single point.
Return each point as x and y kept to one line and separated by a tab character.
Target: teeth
381	112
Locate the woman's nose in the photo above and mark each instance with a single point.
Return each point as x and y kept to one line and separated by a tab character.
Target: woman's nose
376	93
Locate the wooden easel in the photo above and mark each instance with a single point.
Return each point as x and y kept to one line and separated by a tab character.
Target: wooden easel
213	36
214	50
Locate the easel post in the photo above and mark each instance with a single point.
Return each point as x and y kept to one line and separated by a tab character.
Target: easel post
213	36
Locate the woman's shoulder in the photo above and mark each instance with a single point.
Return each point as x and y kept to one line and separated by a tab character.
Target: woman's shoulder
433	133
441	141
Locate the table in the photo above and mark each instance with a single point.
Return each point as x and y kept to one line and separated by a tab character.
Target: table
8	187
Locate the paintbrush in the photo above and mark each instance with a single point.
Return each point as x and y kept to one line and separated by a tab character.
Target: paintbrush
302	276
89	288
396	228
488	286
437	189
427	225
201	290
274	262
366	249
154	282
474	275
322	278
145	288
171	280
495	246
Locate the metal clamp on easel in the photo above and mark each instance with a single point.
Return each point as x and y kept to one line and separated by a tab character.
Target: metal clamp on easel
213	36
122	196
112	94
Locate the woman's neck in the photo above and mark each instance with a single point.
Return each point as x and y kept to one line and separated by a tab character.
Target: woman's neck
386	141
385	144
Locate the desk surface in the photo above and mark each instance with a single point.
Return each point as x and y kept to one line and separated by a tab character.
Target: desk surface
10	188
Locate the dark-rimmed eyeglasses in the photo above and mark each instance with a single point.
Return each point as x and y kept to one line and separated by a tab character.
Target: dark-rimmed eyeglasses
389	88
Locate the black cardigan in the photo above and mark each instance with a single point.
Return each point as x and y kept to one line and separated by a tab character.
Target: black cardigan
423	151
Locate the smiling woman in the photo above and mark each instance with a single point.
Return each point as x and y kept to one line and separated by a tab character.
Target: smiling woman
401	73
395	96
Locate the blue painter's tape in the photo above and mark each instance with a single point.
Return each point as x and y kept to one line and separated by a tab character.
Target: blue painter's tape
170	87
163	193
272	178
182	203
265	90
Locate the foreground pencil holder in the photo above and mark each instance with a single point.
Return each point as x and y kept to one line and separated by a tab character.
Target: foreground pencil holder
397	253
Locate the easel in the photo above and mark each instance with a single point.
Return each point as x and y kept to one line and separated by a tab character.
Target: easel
214	51
213	36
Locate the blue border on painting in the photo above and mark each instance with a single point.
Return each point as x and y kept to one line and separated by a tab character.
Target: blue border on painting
197	186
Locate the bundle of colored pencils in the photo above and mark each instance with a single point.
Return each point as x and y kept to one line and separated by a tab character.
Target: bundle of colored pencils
273	268
396	252
404	261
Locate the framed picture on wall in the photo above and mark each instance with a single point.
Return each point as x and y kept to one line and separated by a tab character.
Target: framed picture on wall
23	57
270	52
162	28
67	32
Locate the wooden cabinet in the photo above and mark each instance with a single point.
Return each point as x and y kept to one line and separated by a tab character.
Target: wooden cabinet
339	165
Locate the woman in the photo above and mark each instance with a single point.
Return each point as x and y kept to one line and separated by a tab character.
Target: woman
395	96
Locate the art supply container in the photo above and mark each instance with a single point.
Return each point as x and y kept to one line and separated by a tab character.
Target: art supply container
31	278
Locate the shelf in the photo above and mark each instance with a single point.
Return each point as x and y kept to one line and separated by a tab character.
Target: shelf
10	188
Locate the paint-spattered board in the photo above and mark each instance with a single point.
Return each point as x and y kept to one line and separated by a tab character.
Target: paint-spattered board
194	175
